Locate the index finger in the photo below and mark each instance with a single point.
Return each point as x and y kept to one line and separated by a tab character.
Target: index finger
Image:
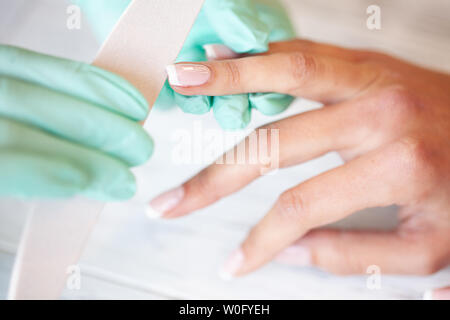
295	72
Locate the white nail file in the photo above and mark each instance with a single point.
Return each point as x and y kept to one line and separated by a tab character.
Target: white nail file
146	39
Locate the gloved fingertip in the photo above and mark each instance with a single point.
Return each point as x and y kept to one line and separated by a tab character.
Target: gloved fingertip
233	123
219	52
147	148
193	104
165	98
270	103
122	95
122	187
27	174
240	28
232	112
142	151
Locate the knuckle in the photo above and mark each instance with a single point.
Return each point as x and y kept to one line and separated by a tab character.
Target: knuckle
399	101
302	67
233	74
291	205
413	149
391	111
416	160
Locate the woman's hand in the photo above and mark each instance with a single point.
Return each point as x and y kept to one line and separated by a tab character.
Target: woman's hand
388	119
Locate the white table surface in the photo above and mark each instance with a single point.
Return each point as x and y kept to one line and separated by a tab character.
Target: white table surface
130	256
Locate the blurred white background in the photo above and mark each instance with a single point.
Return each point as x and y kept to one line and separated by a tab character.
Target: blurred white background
129	256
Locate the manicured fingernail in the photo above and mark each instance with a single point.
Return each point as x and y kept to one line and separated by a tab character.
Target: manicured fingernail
219	52
188	74
441	294
165	202
232	265
295	255
428	295
437	294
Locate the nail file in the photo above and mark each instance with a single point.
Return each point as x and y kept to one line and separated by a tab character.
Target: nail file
147	38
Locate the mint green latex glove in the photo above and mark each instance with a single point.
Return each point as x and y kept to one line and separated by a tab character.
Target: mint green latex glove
245	26
67	128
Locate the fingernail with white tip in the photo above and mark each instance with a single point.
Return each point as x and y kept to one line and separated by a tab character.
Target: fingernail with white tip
188	74
164	202
232	265
428	295
219	52
172	75
295	255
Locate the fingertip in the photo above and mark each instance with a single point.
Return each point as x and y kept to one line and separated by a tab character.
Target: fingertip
224	275
241	29
172	75
165	202
151	213
232	112
165	99
232	265
188	74
146	149
122	95
193	104
131	144
120	188
437	294
428	295
210	52
270	103
219	52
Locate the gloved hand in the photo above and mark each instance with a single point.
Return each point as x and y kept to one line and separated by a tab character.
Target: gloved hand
245	26
67	128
